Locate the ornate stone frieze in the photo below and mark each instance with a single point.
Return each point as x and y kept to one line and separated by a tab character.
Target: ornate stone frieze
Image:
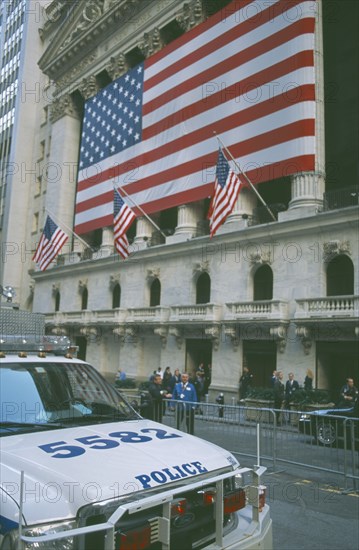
334	248
71	75
61	107
91	12
192	13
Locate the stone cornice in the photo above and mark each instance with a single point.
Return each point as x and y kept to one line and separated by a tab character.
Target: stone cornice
326	222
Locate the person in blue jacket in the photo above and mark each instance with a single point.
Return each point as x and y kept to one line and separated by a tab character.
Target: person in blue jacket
185	394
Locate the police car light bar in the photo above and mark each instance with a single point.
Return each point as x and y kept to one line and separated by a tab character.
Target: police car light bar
58	345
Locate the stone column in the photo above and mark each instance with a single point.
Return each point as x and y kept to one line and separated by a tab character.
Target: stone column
188	216
144	230
308	187
107	245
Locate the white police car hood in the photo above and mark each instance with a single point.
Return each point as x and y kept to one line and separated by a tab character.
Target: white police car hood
68	468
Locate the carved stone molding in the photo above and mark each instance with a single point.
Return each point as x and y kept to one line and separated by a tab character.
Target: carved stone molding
279	333
177	333
114	280
71	75
91	12
334	248
153	274
151	42
192	13
162	332
304	333
82	285
89	87
91	334
214	332
62	106
117	66
233	334
132	335
202	267
260	258
120	333
59	331
56	288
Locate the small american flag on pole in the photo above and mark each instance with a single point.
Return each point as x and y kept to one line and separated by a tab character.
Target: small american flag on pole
226	189
123	217
50	244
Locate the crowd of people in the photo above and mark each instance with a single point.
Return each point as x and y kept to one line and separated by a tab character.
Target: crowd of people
167	389
186	392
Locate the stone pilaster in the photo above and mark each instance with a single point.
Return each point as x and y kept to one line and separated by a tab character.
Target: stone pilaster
62	163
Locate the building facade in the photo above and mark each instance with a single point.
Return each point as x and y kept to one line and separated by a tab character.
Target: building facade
271	295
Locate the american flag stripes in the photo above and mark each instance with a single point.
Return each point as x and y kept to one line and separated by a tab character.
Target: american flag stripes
50	244
246	73
123	217
226	189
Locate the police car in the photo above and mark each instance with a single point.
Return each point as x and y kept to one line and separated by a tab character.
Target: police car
82	470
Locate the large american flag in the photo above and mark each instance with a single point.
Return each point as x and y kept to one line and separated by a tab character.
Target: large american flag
246	73
52	240
226	189
123	216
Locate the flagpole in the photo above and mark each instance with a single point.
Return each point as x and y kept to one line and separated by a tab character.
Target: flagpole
72	232
140	209
246	177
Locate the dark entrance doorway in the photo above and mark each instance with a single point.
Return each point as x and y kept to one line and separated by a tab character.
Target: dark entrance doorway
197	351
336	361
81	342
261	359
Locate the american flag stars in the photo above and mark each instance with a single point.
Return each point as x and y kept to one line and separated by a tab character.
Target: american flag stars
113	122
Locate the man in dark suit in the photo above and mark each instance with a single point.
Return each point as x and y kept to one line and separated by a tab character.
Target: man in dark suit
291	387
157	394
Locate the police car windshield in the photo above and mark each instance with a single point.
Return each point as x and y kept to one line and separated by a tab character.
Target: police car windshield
56	394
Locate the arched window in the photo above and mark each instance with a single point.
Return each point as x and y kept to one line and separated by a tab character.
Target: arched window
84	298
116	296
203	289
263	283
155	293
57	300
340	276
